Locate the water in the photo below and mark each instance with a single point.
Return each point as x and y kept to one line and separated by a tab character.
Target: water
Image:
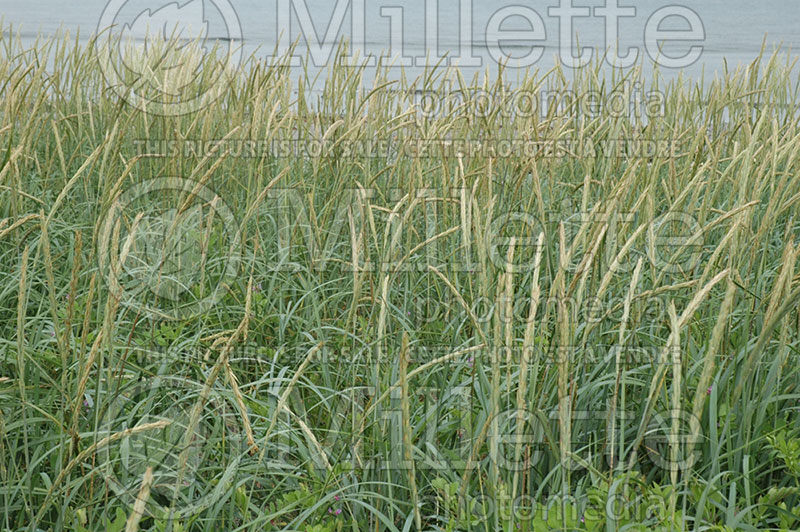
734	30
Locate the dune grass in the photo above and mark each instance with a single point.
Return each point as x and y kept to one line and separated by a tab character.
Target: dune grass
364	336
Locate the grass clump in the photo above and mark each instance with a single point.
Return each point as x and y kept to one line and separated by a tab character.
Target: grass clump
339	311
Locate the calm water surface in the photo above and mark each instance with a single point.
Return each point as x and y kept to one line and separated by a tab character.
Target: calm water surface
734	29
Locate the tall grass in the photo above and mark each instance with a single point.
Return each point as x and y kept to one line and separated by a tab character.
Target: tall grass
579	340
